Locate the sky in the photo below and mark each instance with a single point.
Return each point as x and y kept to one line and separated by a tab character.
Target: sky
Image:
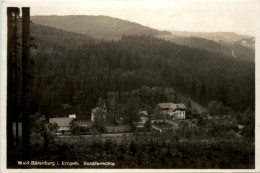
186	15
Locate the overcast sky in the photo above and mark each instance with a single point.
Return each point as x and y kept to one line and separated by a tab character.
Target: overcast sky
201	16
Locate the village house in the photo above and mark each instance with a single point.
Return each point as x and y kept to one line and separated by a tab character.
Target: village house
63	124
173	111
179	111
72	116
240	127
143	116
98	111
142	119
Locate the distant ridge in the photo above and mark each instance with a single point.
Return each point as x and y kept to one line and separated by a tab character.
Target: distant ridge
105	27
100	27
242	49
229	37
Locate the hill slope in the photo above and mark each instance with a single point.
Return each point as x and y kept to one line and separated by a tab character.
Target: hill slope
229	37
79	70
101	27
234	50
60	39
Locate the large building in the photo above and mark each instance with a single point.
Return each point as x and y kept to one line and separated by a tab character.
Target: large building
173	111
63	124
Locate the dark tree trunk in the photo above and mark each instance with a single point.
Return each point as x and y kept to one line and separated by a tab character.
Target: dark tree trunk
25	58
16	87
12	55
9	77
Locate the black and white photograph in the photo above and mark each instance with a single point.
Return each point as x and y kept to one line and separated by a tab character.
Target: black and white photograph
108	85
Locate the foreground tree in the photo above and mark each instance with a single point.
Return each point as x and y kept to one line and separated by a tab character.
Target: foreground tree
216	108
101	103
39	125
99	120
130	111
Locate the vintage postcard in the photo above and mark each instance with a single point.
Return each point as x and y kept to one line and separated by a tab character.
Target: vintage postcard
135	85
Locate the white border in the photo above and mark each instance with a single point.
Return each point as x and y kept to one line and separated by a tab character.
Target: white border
3	96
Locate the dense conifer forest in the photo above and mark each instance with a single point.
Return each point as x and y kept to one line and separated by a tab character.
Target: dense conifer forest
75	69
152	154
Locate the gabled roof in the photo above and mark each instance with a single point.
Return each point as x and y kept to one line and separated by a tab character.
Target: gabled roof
172	106
61	121
143	113
180	106
99	109
166	105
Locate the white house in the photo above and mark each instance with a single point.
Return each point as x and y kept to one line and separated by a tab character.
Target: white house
179	111
72	116
173	111
63	124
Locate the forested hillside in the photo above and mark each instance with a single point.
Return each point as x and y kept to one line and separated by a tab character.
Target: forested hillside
48	40
101	27
74	69
234	50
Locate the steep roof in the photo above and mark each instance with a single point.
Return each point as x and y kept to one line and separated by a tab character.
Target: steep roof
143	113
166	105
99	109
180	106
172	106
61	121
